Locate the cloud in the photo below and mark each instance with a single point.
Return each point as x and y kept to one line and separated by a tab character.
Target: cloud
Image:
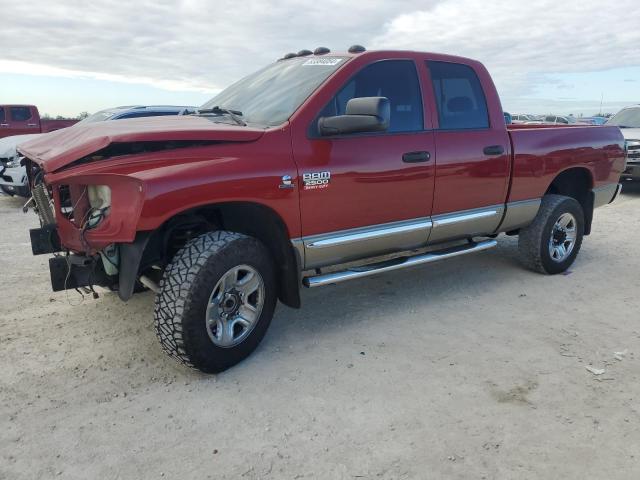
195	43
203	46
13	66
518	40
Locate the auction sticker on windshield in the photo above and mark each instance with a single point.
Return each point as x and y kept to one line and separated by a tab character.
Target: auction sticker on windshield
323	61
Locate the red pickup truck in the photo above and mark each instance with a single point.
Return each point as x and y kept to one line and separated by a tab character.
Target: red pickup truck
25	119
317	169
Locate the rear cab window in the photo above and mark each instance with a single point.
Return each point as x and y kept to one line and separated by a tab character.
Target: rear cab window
2	115
396	80
459	97
20	114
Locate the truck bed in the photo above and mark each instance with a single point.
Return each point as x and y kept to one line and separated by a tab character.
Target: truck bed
537	159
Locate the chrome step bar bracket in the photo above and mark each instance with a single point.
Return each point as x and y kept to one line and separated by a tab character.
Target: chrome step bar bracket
396	264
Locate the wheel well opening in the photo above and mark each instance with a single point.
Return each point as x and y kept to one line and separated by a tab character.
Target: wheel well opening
576	183
250	219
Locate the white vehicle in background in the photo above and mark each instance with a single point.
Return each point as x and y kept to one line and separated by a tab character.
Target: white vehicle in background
13	176
628	121
559	120
521	118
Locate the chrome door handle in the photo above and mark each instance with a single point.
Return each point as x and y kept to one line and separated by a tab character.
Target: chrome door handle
415	157
493	150
4	124
32	124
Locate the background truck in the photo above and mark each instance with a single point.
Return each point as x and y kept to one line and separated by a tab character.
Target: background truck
25	119
317	169
628	120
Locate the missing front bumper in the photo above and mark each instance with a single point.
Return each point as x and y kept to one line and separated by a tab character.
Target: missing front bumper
45	240
76	271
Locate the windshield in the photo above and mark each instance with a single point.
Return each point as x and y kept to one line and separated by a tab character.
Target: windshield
629	117
271	95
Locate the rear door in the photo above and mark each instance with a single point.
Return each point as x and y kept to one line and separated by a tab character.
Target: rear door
473	153
22	120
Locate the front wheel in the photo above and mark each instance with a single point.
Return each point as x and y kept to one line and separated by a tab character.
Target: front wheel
216	300
552	241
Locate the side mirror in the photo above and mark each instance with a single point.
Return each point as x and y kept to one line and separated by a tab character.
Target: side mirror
364	114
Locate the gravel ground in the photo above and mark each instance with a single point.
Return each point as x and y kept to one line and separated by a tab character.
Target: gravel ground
471	368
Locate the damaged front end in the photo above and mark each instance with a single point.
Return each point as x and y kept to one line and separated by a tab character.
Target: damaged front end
89	203
90	245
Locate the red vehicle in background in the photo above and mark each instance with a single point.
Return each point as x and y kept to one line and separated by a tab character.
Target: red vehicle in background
289	175
25	119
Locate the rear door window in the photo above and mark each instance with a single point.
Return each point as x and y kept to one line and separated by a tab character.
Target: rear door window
2	115
459	96
20	114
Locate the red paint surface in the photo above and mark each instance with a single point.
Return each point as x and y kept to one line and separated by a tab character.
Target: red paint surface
370	184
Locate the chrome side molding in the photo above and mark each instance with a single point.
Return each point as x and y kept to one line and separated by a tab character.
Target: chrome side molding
368	235
443	220
317	251
353	244
373	269
466	223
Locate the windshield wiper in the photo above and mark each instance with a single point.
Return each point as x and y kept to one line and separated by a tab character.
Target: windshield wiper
234	114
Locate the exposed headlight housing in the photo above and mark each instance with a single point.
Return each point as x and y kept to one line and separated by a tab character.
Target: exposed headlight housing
13	163
100	202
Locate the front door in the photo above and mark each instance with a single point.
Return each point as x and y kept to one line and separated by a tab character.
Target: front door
367	194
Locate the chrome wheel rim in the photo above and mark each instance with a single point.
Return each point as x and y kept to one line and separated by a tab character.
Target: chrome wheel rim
234	306
563	237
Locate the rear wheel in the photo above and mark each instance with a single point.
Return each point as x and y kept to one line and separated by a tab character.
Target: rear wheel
552	241
216	300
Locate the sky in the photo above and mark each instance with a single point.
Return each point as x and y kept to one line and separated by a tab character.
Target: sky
545	56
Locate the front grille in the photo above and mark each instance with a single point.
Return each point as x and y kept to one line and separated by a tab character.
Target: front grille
633	151
34	172
43	204
40	193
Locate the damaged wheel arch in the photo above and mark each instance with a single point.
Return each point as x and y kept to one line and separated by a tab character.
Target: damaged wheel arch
156	248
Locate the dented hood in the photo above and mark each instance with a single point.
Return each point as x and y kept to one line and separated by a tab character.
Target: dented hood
55	150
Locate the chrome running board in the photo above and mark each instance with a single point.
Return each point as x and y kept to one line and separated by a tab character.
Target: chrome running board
395	264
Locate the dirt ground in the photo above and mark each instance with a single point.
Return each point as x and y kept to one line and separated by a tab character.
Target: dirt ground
468	369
